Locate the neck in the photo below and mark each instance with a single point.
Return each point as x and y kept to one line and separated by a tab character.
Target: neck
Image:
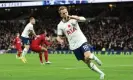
64	20
30	22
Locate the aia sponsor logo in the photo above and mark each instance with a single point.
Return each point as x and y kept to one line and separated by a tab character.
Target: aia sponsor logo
71	30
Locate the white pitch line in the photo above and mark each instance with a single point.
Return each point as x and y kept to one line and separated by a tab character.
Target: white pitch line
119	66
101	69
76	68
68	68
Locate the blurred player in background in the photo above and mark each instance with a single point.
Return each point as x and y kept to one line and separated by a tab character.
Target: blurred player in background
25	37
39	44
18	45
77	40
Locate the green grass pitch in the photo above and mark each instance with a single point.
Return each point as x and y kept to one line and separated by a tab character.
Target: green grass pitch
64	67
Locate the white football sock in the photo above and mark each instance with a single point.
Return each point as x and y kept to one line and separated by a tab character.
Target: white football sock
95	68
93	57
24	52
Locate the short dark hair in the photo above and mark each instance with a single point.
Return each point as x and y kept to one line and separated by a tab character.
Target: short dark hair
42	31
32	18
31	34
16	33
61	8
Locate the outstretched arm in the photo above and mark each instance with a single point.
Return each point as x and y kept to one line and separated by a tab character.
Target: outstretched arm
78	18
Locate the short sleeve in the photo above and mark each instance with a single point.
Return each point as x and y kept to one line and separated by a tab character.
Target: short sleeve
31	27
74	21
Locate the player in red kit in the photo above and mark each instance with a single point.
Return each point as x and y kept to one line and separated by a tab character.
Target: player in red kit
18	45
38	44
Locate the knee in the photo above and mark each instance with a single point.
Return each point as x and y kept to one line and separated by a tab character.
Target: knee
87	59
87	55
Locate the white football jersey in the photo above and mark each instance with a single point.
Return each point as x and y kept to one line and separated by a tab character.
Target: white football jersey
73	33
25	32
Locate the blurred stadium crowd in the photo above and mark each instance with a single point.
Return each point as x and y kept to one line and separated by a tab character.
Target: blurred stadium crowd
108	29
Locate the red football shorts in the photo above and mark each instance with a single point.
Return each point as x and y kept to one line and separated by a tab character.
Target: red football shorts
36	48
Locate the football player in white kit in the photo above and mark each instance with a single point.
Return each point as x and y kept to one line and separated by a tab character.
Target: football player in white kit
77	41
25	37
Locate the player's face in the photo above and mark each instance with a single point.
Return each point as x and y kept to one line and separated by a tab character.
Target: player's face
18	34
33	21
45	32
64	13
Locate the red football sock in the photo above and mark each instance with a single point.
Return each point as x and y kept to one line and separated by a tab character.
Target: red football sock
46	55
40	56
19	54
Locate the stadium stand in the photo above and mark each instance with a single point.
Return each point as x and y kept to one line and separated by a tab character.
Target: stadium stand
105	28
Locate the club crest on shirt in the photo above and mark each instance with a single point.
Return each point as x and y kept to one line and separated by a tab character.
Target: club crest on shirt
73	24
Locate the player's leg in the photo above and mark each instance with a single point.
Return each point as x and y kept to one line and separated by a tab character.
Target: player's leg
91	65
91	56
18	55
39	49
26	43
40	57
25	50
46	55
83	53
19	52
88	56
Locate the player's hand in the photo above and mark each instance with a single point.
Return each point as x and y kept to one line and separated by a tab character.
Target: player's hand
45	49
49	38
68	17
61	42
13	46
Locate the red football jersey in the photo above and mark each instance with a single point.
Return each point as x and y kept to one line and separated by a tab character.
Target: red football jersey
38	40
18	44
17	41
